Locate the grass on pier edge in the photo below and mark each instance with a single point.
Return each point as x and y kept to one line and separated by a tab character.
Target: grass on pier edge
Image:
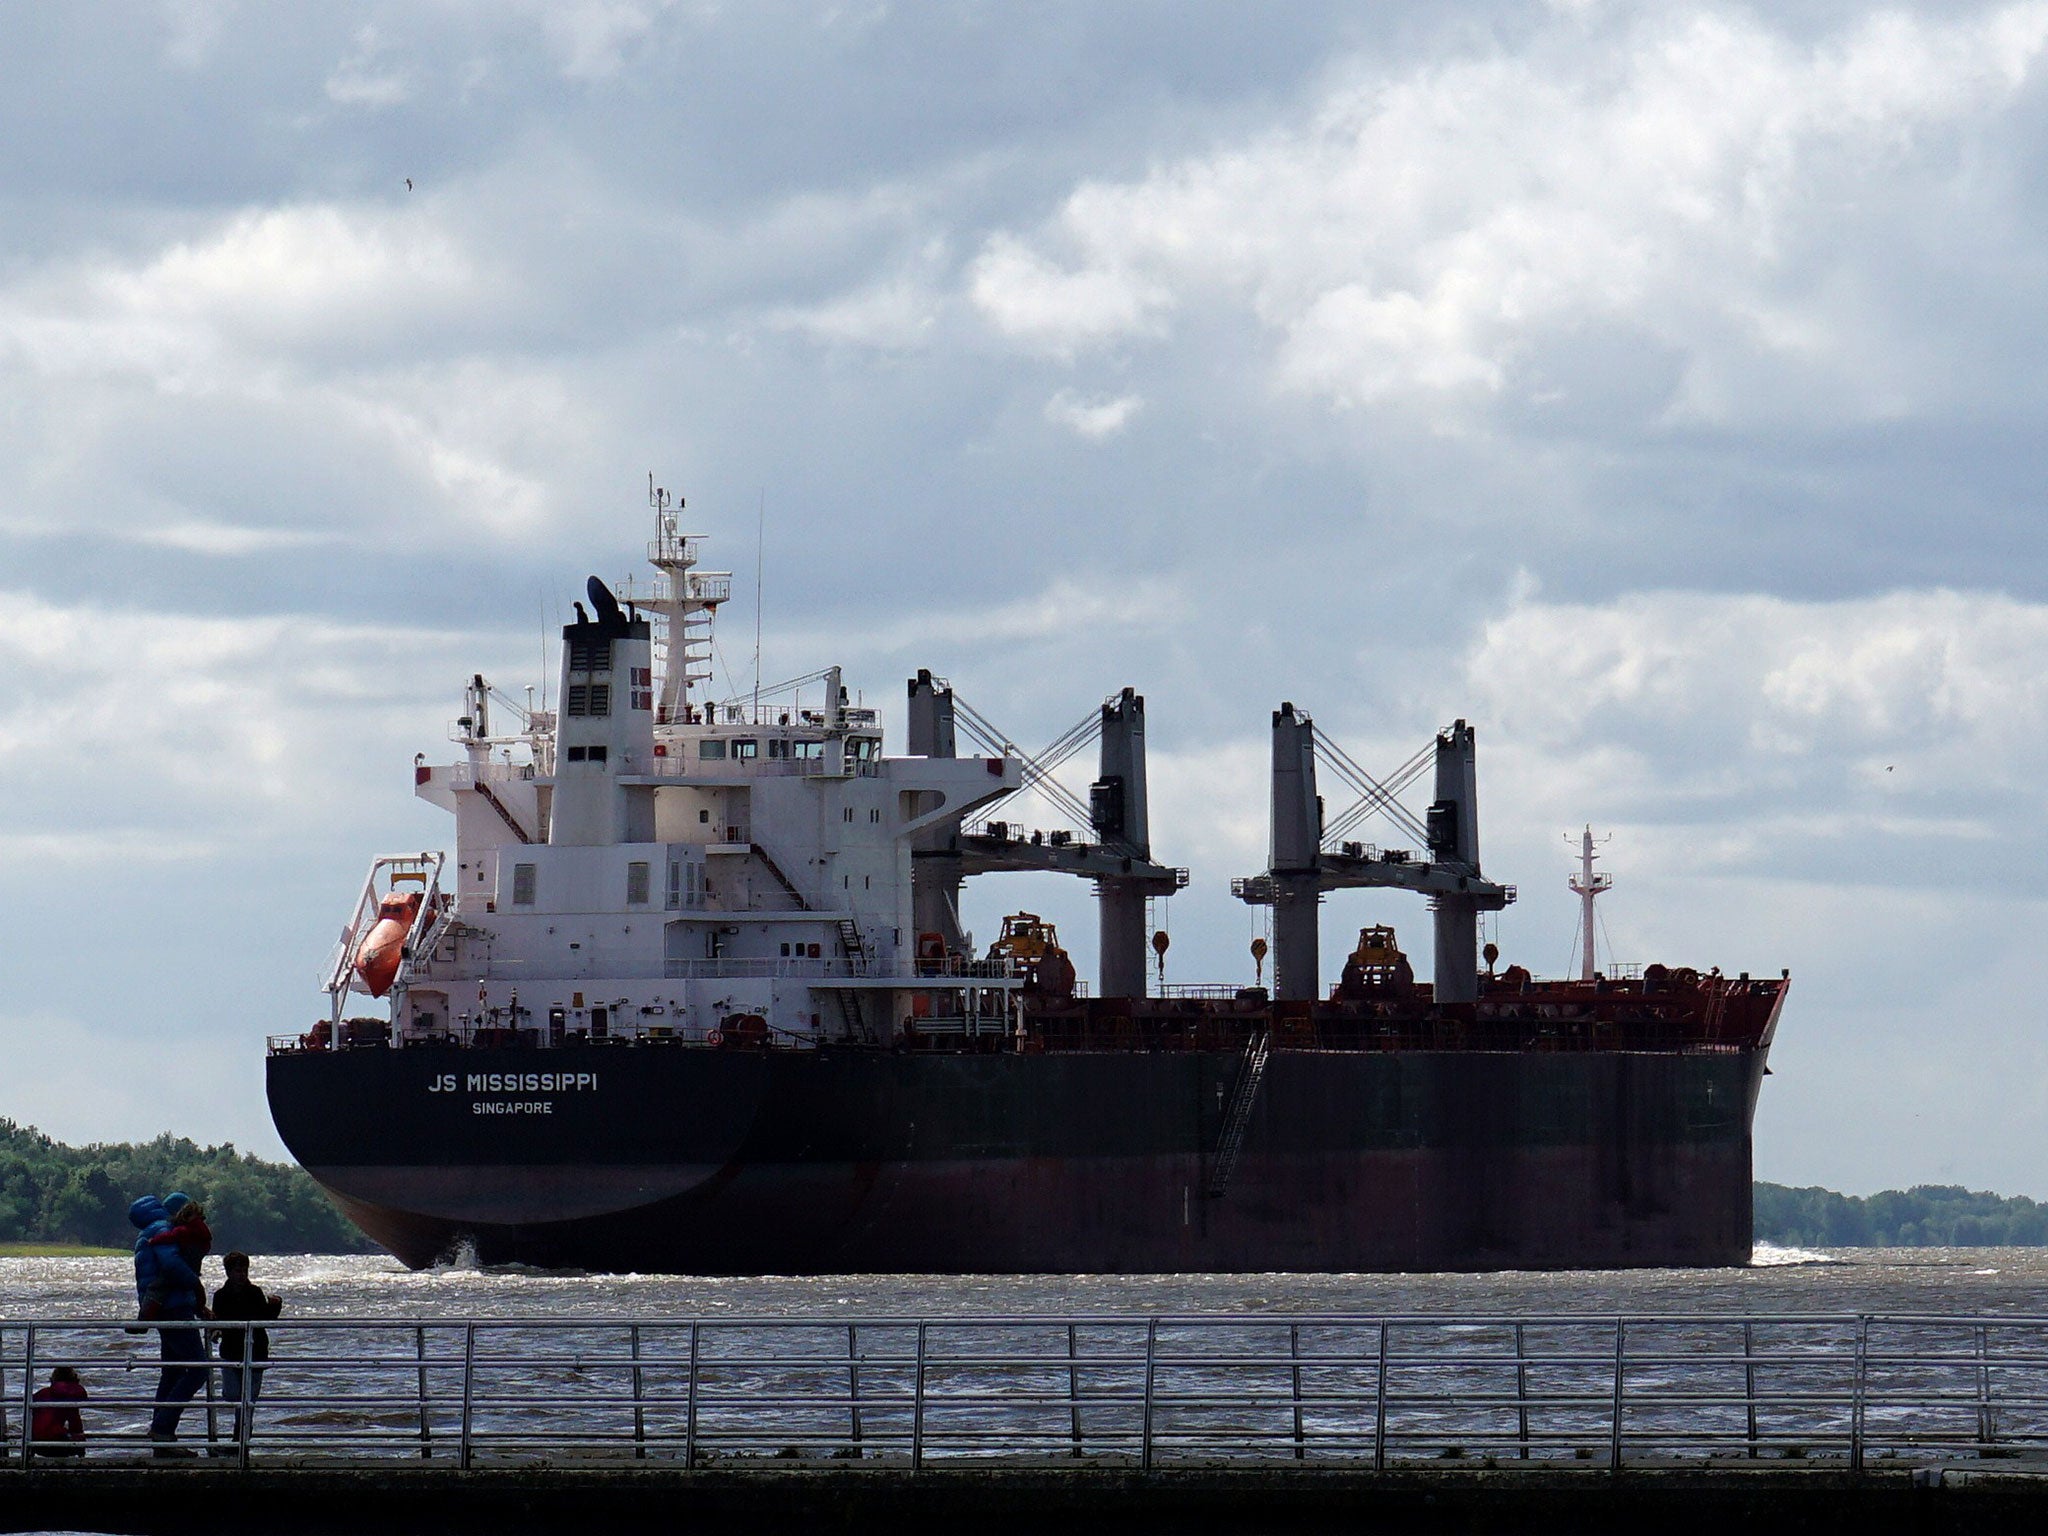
59	1251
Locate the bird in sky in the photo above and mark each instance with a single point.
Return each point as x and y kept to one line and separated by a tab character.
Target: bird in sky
408	183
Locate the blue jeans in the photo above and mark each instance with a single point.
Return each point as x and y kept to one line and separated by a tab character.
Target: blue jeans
180	1380
231	1392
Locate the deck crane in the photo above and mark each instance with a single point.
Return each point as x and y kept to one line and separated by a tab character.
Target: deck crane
1118	859
1309	857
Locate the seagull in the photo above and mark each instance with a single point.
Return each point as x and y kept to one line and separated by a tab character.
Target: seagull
408	183
1887	767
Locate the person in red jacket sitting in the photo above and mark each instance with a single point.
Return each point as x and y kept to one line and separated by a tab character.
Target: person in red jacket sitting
59	1430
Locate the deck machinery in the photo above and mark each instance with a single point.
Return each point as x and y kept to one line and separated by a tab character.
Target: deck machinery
1119	861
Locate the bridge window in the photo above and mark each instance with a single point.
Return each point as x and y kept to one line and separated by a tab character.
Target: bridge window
746	748
711	751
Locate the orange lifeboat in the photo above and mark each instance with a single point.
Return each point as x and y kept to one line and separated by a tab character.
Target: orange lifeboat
384	946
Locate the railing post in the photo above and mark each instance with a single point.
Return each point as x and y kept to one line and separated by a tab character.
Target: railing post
1151	1362
1620	1375
1987	1429
212	1388
1856	1391
853	1380
917	1407
1379	1423
639	1406
419	1350
1749	1382
1521	1394
1294	1353
1074	1385
245	1407
468	1388
28	1389
690	1420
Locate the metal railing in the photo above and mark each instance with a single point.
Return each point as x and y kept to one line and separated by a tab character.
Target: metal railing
1087	1391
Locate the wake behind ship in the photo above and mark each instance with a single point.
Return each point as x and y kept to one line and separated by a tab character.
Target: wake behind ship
693	995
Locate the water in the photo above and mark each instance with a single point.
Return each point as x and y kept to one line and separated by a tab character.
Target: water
2004	1281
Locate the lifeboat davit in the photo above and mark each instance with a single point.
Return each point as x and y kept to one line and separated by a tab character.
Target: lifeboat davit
384	946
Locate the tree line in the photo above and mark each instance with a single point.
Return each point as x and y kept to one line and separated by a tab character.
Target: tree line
53	1193
1925	1216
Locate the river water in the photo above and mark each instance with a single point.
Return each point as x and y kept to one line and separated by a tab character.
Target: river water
2005	1281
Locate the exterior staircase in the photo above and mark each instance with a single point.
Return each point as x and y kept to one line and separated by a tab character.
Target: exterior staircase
1230	1141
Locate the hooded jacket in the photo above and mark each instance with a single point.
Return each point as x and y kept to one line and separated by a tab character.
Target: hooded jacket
160	1267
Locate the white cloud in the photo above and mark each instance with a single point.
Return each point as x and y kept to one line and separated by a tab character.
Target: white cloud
205	732
201	536
594	37
1033	301
365	78
1849	737
1692	183
1095	418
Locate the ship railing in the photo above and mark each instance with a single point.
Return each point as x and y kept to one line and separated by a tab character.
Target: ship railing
467	775
1854	1393
843	966
673	765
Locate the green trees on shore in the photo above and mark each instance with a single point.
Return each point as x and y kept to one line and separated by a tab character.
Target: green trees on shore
51	1193
1925	1216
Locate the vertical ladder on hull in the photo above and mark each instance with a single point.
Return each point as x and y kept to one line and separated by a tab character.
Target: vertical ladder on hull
1230	1142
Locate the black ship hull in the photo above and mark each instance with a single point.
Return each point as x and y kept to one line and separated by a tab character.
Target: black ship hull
687	1161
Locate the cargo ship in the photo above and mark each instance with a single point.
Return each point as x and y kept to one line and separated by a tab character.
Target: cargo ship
692	995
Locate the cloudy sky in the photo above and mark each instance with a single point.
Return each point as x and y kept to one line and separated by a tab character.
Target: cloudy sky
1658	387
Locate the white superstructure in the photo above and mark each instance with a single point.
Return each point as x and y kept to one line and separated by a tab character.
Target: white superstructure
643	861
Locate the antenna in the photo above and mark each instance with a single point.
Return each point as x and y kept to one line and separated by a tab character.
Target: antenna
1587	885
760	552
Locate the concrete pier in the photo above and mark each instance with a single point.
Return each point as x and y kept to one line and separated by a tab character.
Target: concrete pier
220	1498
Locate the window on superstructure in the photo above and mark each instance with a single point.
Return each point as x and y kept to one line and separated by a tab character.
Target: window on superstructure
577	754
711	751
809	751
746	748
523	883
599	754
636	884
778	747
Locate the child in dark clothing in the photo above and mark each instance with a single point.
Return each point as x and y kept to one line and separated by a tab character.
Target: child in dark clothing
238	1301
63	1425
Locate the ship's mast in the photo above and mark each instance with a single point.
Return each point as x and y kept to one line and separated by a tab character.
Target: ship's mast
1588	885
684	603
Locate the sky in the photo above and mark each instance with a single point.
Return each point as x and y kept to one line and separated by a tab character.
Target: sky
1657	387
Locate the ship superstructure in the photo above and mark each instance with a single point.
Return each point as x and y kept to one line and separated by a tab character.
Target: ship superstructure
646	862
692	993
